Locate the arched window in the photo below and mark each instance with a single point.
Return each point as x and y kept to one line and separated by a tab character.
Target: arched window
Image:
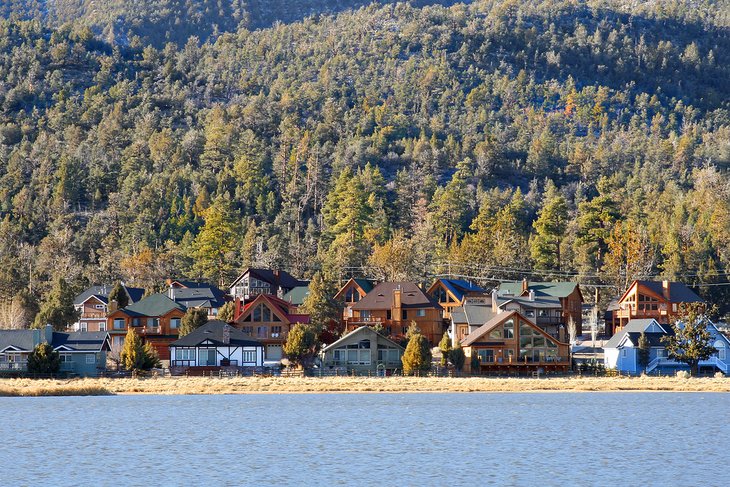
721	349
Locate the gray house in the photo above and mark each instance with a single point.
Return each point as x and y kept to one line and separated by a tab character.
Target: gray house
363	350
82	353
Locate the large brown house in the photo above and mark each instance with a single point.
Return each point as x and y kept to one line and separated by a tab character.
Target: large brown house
156	319
660	300
351	293
510	343
550	305
451	293
395	305
268	319
93	305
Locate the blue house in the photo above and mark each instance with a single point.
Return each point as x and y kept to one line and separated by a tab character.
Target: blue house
82	353
621	351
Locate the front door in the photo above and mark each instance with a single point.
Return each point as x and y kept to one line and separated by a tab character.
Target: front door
206	356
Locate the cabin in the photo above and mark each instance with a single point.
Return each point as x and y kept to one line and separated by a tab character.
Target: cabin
394	306
252	282
93	305
268	319
550	305
511	344
363	351
156	319
658	300
473	313
82	353
621	352
216	344
451	293
351	293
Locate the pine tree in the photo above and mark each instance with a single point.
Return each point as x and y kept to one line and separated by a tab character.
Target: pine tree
132	356
44	360
58	308
193	319
225	312
417	357
301	345
318	304
643	351
692	340
445	348
217	242
550	229
119	295
457	356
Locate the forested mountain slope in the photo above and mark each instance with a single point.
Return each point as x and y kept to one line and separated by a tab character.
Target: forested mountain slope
568	138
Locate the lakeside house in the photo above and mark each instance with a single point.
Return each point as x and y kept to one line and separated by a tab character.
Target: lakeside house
268	319
363	350
452	293
215	344
252	282
351	293
621	352
510	343
156	319
93	305
197	295
394	306
82	353
658	300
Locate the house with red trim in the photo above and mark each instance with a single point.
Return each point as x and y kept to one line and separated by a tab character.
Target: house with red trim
268	319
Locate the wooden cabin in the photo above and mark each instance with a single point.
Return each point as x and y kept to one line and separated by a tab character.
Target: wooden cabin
511	344
351	293
451	293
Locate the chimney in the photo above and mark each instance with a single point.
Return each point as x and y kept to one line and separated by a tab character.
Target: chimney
525	285
227	335
495	306
666	290
48	334
171	292
531	295
112	305
397	298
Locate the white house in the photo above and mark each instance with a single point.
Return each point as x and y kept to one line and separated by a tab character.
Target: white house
216	344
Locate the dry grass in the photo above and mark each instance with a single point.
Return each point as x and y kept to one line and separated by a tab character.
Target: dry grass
276	385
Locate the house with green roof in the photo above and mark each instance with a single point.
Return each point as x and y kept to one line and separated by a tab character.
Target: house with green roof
550	305
156	319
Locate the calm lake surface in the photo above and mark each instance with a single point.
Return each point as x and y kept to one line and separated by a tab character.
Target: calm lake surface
367	439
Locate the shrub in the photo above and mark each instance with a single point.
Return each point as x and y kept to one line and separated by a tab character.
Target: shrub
683	374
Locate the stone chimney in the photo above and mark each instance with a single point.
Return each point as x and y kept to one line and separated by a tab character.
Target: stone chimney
227	335
495	304
666	290
397	311
525	285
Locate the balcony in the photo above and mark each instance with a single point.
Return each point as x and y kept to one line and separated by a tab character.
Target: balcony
96	314
16	366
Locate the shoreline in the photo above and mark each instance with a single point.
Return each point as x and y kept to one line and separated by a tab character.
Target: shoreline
351	385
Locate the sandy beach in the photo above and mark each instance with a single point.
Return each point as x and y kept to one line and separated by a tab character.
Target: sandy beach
283	385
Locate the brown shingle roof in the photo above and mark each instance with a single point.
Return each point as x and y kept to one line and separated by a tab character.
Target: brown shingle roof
381	297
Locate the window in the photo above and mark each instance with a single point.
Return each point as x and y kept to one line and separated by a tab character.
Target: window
486	356
174	323
388	315
184	354
66	358
135	322
247	330
249	356
99	306
275	331
404	330
83	326
720	346
119	323
365	314
420	313
90	358
509	328
261	331
153	322
352	295
404	314
102	326
623	352
495	333
262	314
117	341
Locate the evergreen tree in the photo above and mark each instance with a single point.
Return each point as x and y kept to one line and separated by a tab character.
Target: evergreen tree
44	360
225	313
550	229
193	319
457	356
318	304
58	308
132	356
445	348
217	242
692	340
643	351
301	345
417	357
119	295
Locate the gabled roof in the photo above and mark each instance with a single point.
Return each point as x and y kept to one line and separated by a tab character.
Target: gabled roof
477	334
154	305
554	289
203	296
458	287
363	330
19	340
276	278
82	341
635	327
102	293
473	314
679	292
296	296
364	284
541	302
381	297
213	332
279	306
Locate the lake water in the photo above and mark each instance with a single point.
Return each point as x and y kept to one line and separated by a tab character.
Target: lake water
367	439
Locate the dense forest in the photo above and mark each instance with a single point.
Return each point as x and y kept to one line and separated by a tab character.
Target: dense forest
554	139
